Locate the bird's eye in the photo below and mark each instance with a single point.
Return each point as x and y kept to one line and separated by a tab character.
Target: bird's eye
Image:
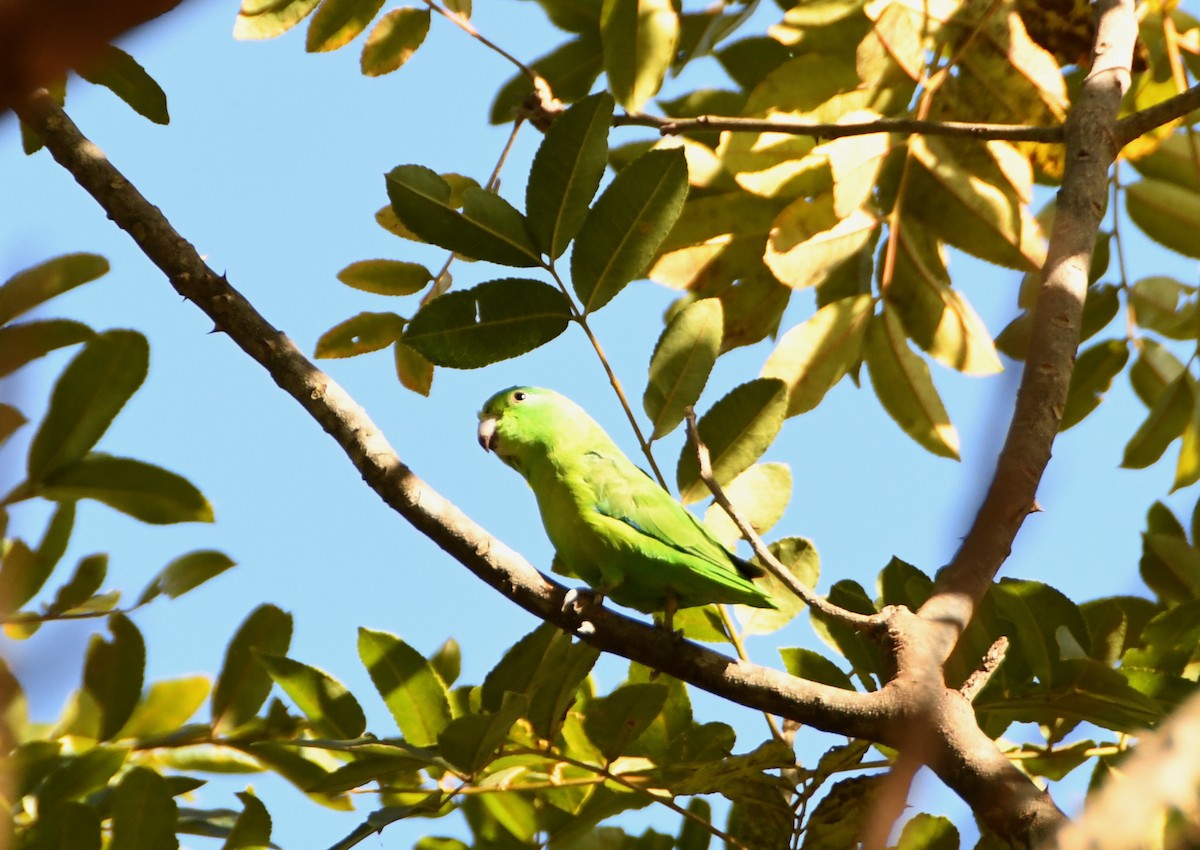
519	396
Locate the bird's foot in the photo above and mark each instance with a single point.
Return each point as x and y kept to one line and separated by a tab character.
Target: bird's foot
581	602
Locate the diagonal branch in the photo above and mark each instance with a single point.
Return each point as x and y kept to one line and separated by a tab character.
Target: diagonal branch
1132	126
824	707
1091	147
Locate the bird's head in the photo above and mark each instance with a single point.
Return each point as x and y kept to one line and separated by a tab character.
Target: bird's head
518	422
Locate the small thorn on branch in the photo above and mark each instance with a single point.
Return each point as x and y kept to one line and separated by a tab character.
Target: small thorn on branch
991	660
863	622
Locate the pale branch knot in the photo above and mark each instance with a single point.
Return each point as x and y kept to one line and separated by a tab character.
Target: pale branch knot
983	673
862	622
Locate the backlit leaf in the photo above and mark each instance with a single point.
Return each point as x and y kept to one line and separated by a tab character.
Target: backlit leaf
120	73
815	667
1153	371
814	356
89	574
408	684
385	277
615	721
337	22
185	573
760	494
332	710
493	321
146	492
143	812
243	685
626	226
1094	371
808	241
112	673
488	228
682	359
87	396
1165	305
736	430
394	40
569	69
168	705
1169	214
1187	470
260	19
413	370
905	388
800	558
566	172
1173	161
1167	419
360	334
639	39
468	742
252	829
928	832
838	818
26	341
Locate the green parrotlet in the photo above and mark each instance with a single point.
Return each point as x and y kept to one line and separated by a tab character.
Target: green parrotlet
612	525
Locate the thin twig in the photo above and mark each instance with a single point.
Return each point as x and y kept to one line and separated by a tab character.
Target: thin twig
466	26
1143	121
864	622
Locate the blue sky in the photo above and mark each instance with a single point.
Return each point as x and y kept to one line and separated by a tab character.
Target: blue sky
273	167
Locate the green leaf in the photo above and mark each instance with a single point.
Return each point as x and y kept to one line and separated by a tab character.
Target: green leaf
936	317
692	835
470	741
488	228
168	705
761	495
1166	421
566	172
1168	641
143	813
682	360
862	652
146	492
815	667
736	430
11	419
185	573
88	576
252	829
121	74
67	825
21	575
801	559
1172	160
1153	370
814	356
243	685
359	335
1170	566
1165	305
493	321
837	820
413	692
569	69
332	710
928	832
447	661
79	775
33	286
337	23
1169	214
808	241
21	343
87	396
615	721
1187	470
1038	613
412	369
639	38
626	226
905	389
260	19
1095	369
394	40
385	277
112	673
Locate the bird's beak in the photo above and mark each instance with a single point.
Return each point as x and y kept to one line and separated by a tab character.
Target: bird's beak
487	433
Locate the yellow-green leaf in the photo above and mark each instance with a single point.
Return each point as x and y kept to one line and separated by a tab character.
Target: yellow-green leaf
166	707
1169	416
186	573
25	341
121	74
394	40
332	710
260	19
1155	368
569	69
801	559
385	277
1094	371
1173	161
808	241
243	685
761	495
639	38
1187	469
736	430
681	363
1167	306
359	335
142	490
1169	214
413	370
413	692
814	356
905	388
337	22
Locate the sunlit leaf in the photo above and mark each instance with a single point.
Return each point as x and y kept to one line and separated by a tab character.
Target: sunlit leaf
493	321
928	832
393	40
1174	161
412	369
186	573
119	72
260	19
808	240
800	558
760	494
639	38
87	396
360	334
905	389
1094	371
1153	371
1165	305
1167	419
332	710
626	226
814	356
337	22
488	228
413	692
1169	214
682	359
243	685
566	172
815	667
146	492
736	430
1187	470
569	69
168	705
385	277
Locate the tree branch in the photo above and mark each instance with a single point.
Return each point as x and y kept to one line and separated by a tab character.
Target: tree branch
1132	126
821	706
1091	148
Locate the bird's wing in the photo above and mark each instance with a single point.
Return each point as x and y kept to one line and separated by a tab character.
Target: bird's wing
626	493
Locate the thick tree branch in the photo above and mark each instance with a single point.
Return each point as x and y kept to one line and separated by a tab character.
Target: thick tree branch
1091	148
829	708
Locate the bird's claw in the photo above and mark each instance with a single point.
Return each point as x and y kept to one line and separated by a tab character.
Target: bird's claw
580	602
